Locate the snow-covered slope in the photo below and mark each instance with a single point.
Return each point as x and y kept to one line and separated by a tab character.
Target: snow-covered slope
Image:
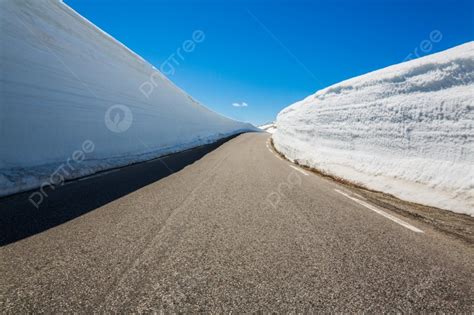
407	130
67	87
270	128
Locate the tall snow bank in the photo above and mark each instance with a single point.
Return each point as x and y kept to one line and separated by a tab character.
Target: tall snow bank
70	98
405	130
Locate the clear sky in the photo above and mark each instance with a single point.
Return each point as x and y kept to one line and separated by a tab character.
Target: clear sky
268	54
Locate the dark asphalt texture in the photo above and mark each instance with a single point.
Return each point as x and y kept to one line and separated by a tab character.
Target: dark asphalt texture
237	230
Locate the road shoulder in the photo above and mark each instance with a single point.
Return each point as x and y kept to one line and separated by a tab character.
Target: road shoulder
454	225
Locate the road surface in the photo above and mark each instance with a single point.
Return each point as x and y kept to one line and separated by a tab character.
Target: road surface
240	230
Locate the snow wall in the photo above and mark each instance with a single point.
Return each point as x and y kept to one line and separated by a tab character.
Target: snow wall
407	130
75	101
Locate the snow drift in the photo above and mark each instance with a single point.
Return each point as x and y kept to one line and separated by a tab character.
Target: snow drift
71	98
270	127
405	130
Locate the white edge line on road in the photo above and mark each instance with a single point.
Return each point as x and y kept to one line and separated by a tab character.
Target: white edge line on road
299	170
382	213
271	151
99	174
357	195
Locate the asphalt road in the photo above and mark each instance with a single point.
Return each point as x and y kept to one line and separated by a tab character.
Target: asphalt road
237	230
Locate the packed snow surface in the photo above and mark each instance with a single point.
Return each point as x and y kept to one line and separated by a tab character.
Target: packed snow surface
74	98
270	128
406	130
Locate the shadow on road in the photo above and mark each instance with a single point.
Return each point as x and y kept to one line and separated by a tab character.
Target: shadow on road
20	219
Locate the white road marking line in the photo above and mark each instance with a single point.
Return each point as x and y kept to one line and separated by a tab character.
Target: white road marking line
99	174
299	170
273	152
357	195
382	213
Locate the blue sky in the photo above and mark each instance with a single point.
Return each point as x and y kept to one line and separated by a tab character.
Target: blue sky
269	54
